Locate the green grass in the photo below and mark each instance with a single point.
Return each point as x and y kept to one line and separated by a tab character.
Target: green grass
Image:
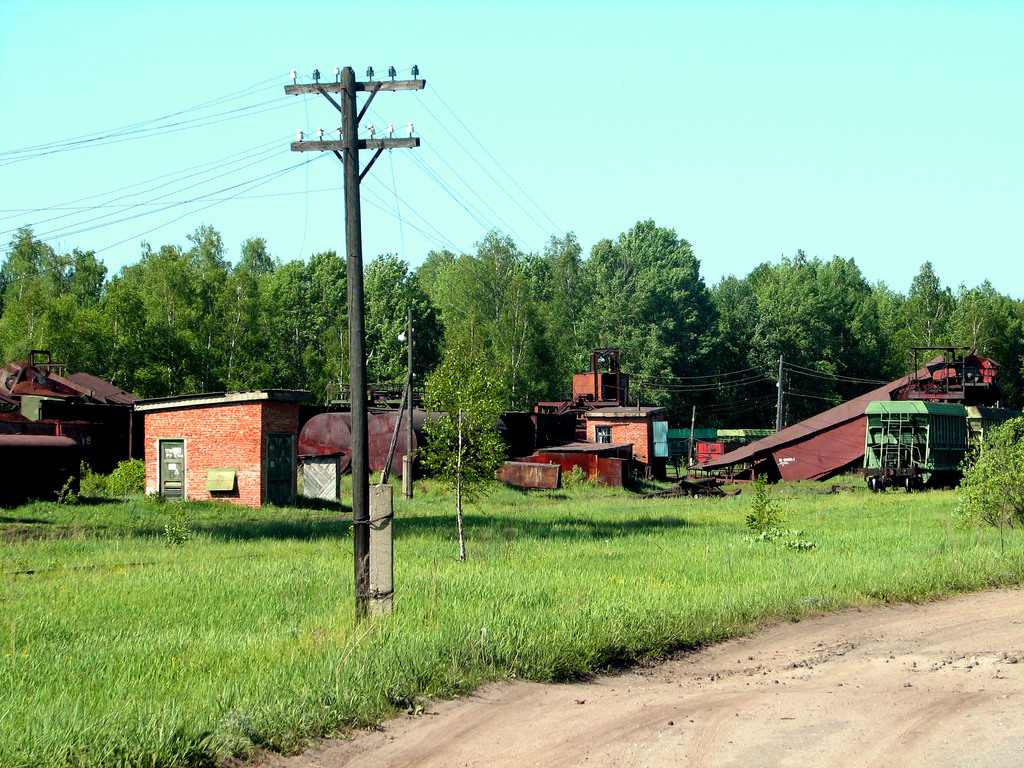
117	649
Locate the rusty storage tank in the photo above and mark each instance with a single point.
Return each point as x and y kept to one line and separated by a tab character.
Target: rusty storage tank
331	433
36	467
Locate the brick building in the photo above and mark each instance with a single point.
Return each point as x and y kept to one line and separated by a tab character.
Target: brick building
235	446
645	427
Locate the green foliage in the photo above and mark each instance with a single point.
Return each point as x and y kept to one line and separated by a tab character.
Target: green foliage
789	538
68	494
651	302
178	529
992	490
464	448
185	319
574	477
92	484
765	514
128	478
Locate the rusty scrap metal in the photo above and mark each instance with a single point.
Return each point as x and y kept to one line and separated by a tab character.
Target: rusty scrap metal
707	487
528	475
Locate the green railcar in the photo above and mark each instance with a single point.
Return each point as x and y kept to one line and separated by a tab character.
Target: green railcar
914	444
981	420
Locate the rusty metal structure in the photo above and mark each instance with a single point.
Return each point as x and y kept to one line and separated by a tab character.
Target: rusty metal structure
833	441
45	400
329	434
958	375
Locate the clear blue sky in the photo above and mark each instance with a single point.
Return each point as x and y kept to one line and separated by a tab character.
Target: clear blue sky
890	132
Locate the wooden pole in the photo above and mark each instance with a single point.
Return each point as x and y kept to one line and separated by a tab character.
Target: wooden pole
356	345
347	150
693	425
778	403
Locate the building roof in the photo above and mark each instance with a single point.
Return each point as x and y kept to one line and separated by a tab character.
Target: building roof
624	412
222	398
585	447
102	390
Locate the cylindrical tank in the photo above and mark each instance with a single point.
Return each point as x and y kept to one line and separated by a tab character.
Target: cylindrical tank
331	433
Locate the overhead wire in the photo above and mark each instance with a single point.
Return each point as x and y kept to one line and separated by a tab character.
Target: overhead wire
486	172
261	150
252	184
182	172
140	130
437	93
80	225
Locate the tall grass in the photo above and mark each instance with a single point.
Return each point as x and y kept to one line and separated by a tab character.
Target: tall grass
117	649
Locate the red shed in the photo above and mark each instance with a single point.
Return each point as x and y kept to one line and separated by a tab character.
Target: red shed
235	446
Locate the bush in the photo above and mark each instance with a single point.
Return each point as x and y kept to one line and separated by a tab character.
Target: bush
128	478
92	484
992	490
574	477
764	513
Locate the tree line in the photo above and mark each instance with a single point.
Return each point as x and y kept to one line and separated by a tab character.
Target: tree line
185	319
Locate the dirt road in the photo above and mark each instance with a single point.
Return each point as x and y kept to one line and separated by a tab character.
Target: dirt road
940	684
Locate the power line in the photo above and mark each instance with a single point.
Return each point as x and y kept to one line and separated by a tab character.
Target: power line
488	173
134	130
221	161
275	148
255	183
82	229
495	160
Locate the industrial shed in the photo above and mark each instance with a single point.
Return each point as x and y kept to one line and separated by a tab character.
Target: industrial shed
235	446
645	427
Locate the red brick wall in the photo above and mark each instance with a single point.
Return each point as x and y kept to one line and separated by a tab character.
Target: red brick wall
636	431
230	436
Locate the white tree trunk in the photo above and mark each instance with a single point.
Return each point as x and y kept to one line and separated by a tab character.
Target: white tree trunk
458	494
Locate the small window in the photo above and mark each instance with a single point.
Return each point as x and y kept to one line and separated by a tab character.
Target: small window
603	434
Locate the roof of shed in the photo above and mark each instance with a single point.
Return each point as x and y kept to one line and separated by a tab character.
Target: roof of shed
584	447
624	411
222	398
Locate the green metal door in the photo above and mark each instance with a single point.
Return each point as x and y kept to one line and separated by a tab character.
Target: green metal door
280	469
172	469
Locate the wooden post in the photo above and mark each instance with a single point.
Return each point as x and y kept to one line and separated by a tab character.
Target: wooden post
356	344
690	453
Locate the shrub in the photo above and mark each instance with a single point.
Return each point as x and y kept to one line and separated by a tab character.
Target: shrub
91	483
992	490
764	513
128	478
575	476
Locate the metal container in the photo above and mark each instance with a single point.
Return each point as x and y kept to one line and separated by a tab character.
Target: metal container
913	444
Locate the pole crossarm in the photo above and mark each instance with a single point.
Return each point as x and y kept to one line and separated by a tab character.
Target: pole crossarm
331	145
372	86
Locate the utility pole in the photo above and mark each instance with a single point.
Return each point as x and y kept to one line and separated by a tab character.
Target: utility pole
693	424
778	403
347	150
